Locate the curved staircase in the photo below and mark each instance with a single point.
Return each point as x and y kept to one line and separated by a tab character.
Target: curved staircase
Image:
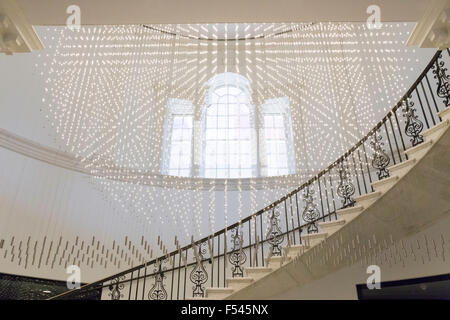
283	272
410	194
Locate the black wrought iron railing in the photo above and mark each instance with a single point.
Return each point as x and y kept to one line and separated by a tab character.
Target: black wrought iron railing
209	262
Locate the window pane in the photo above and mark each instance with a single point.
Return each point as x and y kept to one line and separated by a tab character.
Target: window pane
223	122
222	173
232	136
177	122
276	151
187	122
180	148
210	173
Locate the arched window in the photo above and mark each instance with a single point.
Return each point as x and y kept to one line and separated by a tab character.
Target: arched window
229	137
229	130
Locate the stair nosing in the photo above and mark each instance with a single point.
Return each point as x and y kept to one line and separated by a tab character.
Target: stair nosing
350	210
443	112
258	269
421	146
402	164
368	196
337	222
243	279
219	290
436	127
385	181
315	235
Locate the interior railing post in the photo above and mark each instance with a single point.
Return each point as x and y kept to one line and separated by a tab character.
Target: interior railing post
298	218
145	280
321	200
218	260
367	164
326	197
395	138
332	193
256	242
250	242
421	108
225	257
356	174
400	133
432	94
179	275
292	219
185	272
287	223
428	103
212	262
362	171
137	284
389	141
262	242
130	284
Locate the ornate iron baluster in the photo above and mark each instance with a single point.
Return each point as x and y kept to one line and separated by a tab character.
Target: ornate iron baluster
443	84
115	287
413	126
198	275
310	213
237	257
274	235
345	189
157	291
380	159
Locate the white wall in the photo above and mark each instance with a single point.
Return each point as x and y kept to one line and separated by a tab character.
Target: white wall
424	254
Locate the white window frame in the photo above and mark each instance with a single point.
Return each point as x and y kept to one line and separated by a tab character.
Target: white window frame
278	106
175	107
242	83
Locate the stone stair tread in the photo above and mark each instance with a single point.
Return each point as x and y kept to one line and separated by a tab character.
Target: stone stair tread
315	235
402	164
219	290
296	247
276	258
338	222
368	196
444	112
385	181
437	127
240	279
350	210
258	269
419	147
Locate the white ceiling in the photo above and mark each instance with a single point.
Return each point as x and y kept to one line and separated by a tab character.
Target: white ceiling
53	12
